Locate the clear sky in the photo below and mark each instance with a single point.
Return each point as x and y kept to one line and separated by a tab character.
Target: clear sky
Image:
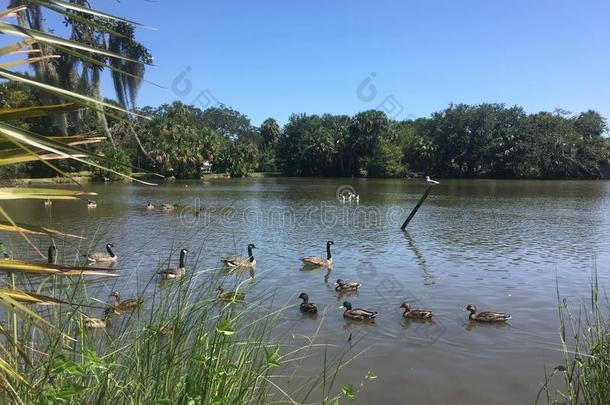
274	58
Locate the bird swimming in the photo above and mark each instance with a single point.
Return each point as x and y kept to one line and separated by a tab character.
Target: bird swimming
486	316
179	271
241	262
345	286
306	306
318	261
415	313
107	256
358	314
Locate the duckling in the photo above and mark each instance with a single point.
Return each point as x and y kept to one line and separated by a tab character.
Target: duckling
415	313
176	272
358	314
169	207
241	262
486	316
150	206
91	204
346	286
125	305
48	203
318	261
95	257
307	306
230	295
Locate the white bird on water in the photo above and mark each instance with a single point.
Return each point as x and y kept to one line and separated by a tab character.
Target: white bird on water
430	181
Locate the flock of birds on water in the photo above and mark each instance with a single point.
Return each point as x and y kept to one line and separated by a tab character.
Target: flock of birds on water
249	262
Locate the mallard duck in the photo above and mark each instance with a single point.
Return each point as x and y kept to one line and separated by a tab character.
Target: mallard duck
358	314
97	323
307	306
415	313
486	316
125	305
176	272
52	255
230	295
91	204
318	261
346	286
48	203
108	256
241	262
150	206
169	207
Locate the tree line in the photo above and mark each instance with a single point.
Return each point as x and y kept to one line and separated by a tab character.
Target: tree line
484	140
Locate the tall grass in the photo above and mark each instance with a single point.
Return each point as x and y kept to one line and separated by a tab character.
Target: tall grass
584	376
183	347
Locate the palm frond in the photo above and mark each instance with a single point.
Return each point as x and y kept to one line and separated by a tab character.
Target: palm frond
23	266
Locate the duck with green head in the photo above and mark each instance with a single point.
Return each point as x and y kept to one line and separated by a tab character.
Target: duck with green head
358	314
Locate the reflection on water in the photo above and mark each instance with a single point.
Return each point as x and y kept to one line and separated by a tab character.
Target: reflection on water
501	245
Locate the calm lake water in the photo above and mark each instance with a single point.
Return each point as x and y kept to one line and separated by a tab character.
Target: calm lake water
501	245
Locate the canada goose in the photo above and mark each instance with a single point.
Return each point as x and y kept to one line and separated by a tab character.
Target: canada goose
169	207
125	305
150	206
97	323
230	295
358	314
48	203
415	313
52	255
103	256
486	316
345	286
241	262
176	272
431	182
307	306
91	204
318	261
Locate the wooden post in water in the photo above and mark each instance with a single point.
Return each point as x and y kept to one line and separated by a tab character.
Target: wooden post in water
419	203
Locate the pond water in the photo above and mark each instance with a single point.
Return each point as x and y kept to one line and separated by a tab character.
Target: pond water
502	245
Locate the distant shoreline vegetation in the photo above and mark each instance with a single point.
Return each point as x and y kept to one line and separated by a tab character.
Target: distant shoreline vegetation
461	141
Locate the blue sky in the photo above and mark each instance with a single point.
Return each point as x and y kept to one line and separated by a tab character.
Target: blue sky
274	58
